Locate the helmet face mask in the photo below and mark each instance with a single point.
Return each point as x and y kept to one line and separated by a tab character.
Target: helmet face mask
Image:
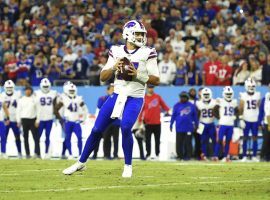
228	93
135	33
72	90
250	85
9	87
45	85
206	94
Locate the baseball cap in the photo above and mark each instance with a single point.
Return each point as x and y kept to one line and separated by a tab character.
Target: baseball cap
183	94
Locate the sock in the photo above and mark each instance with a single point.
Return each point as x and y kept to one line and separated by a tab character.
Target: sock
227	147
217	147
255	147
244	148
127	144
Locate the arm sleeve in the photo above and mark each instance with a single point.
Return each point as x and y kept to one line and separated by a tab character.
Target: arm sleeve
163	104
261	111
173	116
110	62
141	115
195	116
152	67
99	103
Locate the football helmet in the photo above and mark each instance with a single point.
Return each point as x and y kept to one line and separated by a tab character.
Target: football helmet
206	94
45	85
129	33
228	93
250	85
65	87
72	90
9	87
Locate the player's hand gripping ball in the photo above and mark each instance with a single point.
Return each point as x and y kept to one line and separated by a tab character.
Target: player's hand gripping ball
124	71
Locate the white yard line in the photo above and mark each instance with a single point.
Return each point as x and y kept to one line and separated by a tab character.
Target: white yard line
134	186
9	174
220	164
30	170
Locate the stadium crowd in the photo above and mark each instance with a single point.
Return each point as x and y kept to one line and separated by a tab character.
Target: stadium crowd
215	42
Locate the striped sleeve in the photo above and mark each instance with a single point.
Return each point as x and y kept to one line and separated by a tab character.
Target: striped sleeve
110	52
153	54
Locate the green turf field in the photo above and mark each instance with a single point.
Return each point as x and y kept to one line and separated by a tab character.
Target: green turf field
39	179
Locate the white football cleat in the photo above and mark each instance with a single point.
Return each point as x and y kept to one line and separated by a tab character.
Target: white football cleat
244	159
255	159
4	156
70	157
127	173
20	156
78	166
226	159
47	156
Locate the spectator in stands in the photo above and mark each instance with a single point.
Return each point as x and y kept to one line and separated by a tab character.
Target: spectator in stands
37	72
241	73
70	56
192	74
150	116
94	71
224	72
89	55
167	70
80	66
266	72
255	70
54	69
24	67
210	69
51	29
67	72
10	67
180	77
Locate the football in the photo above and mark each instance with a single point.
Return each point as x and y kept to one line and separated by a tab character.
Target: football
123	73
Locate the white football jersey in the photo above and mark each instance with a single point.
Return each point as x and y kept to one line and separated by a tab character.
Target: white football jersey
167	72
227	112
266	107
144	60
12	103
251	106
72	107
2	114
206	110
44	103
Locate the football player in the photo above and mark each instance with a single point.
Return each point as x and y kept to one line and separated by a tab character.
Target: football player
4	120
73	105
207	128
11	98
127	100
249	109
264	118
225	111
45	100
